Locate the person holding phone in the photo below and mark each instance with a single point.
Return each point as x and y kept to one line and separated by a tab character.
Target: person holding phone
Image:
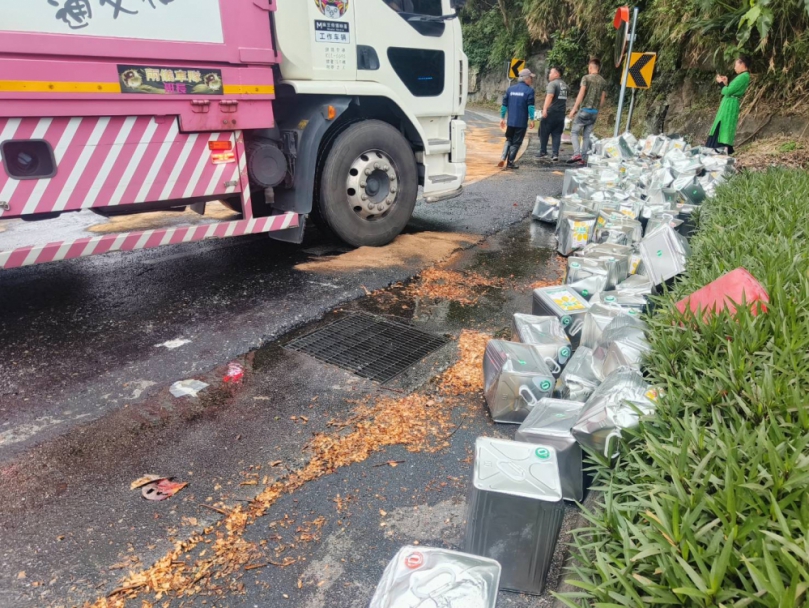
723	131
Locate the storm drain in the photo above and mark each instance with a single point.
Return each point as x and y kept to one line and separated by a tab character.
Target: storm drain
371	347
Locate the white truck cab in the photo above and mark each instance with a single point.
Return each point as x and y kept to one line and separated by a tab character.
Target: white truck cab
401	59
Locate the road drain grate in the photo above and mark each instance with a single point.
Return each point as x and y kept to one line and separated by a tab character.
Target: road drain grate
371	347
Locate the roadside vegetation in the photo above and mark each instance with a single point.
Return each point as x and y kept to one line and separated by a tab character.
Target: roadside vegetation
691	37
707	504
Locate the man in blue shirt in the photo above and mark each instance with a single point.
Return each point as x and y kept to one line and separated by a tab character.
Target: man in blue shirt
518	107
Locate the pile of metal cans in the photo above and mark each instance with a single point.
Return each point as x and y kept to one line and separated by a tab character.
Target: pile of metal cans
570	376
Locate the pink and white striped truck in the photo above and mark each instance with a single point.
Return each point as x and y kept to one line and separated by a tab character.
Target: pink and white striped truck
278	109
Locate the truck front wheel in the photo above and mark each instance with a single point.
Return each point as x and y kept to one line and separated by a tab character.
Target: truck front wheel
369	184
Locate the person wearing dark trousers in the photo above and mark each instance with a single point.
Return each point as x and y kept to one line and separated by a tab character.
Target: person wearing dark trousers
553	114
723	131
517	116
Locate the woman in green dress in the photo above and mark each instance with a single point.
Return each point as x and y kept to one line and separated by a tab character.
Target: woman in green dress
723	131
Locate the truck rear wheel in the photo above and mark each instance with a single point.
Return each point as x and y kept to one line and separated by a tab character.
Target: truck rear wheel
369	184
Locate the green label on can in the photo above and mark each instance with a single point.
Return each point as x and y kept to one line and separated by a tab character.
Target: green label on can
566	320
543	453
545	385
660	253
585	293
565	352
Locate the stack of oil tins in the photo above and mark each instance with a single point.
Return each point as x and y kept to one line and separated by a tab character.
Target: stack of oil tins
570	377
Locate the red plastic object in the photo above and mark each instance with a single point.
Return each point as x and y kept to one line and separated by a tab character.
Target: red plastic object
621	16
726	292
235	373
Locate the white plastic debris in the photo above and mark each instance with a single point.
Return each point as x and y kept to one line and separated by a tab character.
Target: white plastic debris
187	388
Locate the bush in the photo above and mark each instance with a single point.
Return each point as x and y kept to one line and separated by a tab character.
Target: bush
707	504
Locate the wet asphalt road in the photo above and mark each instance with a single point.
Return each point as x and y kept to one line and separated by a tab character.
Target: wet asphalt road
84	410
78	339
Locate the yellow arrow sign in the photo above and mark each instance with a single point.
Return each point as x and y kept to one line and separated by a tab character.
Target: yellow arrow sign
516	66
641	69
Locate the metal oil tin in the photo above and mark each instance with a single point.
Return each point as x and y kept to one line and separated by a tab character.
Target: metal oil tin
515	378
579	378
515	510
547	335
546	209
613	407
424	577
549	423
566	305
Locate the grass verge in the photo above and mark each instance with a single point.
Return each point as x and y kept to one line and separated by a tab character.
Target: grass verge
708	503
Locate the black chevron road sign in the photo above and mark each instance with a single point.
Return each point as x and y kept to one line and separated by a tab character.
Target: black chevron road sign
516	66
641	69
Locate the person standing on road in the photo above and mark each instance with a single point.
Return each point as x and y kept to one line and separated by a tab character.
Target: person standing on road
518	107
553	114
592	93
723	131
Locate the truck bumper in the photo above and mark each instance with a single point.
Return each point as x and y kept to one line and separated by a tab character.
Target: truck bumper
143	239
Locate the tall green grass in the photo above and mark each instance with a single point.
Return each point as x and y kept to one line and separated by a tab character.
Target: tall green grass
708	503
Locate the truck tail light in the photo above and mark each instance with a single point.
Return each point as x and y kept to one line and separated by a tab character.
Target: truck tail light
223	158
220	145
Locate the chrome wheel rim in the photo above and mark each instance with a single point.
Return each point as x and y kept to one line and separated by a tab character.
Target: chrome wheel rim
372	186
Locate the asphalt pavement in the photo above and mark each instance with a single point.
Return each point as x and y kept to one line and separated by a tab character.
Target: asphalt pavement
89	347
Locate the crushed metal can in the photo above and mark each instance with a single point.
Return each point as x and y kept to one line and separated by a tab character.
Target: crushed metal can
598	317
547	335
549	423
619	231
515	378
546	209
624	300
515	510
623	344
574	231
579	378
566	305
590	286
597	250
614	406
423	576
614	269
635	284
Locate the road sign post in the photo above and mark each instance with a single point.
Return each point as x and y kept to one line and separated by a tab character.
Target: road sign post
631	109
626	73
639	76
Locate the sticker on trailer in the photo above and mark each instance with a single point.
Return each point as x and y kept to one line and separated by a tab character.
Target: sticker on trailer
173	20
333	9
332	32
169	81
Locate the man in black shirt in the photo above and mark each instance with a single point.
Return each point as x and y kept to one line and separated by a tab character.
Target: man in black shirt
553	113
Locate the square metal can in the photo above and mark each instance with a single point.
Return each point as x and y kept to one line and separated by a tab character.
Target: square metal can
547	335
566	305
515	378
423	576
550	424
515	510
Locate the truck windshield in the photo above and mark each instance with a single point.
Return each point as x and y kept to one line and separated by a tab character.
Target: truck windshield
416	7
